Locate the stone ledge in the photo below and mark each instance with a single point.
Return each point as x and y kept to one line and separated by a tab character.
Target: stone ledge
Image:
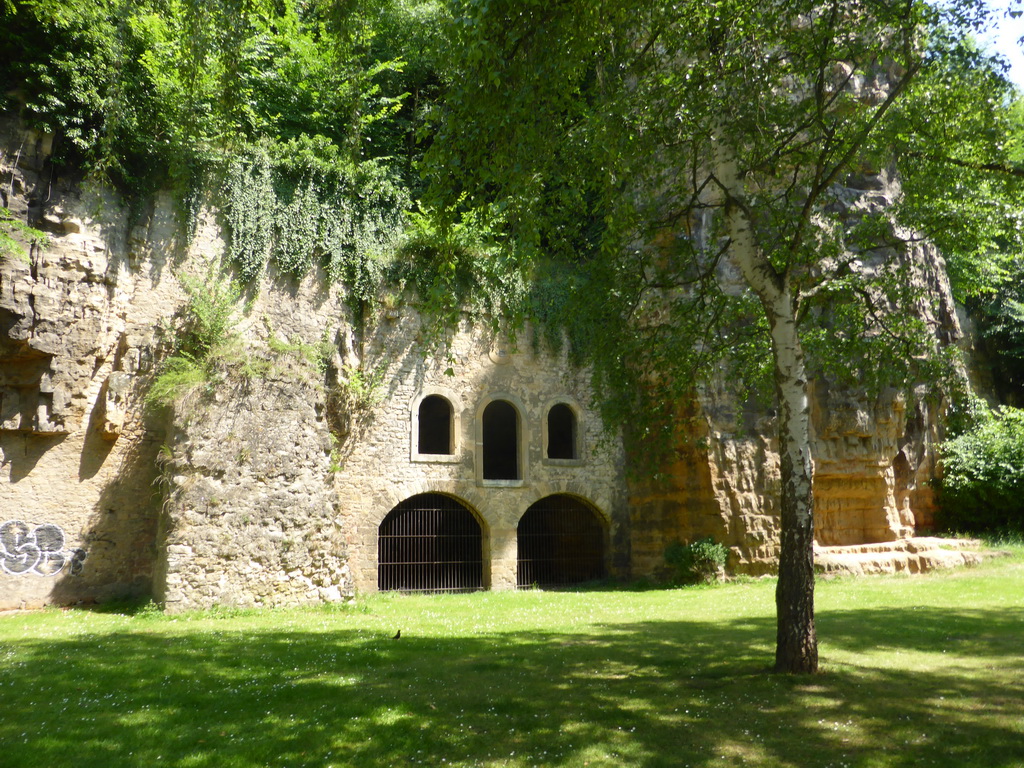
914	555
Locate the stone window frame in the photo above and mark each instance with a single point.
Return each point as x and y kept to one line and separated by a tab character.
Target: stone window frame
456	428
577	412
522	440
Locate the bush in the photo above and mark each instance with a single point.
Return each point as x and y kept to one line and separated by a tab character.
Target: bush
982	486
700	561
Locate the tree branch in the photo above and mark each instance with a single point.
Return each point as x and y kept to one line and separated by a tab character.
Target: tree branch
1003	168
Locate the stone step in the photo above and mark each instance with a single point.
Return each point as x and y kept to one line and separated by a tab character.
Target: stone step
914	555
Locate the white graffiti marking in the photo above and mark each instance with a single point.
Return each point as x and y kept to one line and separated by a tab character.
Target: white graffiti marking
37	551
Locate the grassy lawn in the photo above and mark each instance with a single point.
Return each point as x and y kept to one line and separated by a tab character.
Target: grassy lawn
918	671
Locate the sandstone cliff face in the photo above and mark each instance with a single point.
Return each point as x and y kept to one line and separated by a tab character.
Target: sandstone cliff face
227	499
874	457
873	463
268	487
78	331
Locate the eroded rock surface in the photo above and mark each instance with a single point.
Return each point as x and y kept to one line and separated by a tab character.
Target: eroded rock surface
267	487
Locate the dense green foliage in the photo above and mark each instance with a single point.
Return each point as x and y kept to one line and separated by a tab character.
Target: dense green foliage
962	183
961	178
314	115
982	486
697	561
566	128
305	110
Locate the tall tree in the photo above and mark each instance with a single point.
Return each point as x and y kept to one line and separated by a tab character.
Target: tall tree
668	145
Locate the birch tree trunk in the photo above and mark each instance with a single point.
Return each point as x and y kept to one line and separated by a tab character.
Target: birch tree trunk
796	648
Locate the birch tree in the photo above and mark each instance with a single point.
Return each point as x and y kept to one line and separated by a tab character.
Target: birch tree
663	145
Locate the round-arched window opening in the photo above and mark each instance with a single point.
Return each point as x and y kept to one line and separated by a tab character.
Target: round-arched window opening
430	543
501	441
562	433
561	542
434	432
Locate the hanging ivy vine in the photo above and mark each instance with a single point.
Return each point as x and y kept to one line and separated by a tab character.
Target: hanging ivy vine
299	204
250	214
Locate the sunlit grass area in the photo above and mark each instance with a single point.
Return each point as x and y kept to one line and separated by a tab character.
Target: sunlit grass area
918	671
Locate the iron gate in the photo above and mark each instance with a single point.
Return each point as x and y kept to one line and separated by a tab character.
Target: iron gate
561	542
429	543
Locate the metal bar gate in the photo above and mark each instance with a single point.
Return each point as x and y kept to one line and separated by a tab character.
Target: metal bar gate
430	543
561	542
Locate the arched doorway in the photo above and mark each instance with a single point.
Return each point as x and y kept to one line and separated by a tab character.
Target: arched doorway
561	542
430	543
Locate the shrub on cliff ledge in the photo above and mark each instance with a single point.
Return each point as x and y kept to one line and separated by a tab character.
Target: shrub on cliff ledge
983	475
203	337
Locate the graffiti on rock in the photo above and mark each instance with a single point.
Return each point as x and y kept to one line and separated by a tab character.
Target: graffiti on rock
37	551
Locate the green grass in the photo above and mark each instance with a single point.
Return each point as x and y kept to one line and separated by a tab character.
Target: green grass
917	671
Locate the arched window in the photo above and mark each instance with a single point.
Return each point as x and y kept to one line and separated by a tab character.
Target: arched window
560	541
434	435
501	441
562	432
430	543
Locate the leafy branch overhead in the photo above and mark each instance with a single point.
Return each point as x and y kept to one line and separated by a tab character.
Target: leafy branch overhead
742	161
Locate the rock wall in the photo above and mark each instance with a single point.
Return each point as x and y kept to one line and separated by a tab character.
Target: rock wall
872	469
268	487
79	323
96	499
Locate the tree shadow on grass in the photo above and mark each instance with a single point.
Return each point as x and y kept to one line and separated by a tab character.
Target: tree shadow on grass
657	693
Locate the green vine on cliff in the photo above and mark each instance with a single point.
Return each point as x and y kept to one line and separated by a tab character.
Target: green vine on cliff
300	204
17	238
250	215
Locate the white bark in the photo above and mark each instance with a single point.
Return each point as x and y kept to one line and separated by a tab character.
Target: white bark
796	649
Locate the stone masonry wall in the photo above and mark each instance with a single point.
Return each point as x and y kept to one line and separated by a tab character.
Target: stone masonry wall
251	514
250	518
381	468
